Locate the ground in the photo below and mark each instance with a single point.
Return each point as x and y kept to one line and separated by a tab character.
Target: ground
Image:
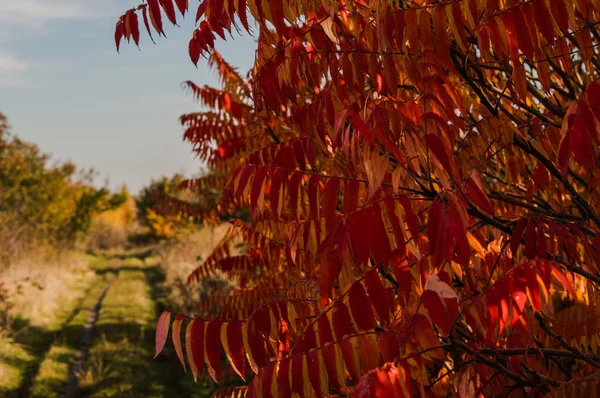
100	343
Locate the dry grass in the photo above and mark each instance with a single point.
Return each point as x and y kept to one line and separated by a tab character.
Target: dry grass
105	235
180	258
39	284
43	289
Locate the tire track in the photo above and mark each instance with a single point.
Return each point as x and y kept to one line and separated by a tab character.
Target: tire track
88	335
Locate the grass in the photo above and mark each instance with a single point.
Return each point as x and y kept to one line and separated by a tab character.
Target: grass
37	357
54	368
121	361
47	301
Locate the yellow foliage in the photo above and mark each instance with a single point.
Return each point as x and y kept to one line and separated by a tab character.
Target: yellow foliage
165	227
122	216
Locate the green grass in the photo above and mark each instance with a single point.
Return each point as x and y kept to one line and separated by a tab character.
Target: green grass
23	352
36	361
13	361
121	361
53	371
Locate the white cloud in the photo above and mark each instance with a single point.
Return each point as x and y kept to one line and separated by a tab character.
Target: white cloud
12	70
37	13
27	20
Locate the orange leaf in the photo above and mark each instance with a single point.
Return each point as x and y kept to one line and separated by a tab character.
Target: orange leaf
176	336
188	348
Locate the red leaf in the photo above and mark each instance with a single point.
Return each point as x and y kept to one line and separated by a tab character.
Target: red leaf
377	295
597	249
267	380
389	346
380	243
162	331
340	319
530	239
331	363
563	153
402	272
541	240
293	191
314	371
360	307
533	286
437	147
119	31
362	127
398	230
330	268
195	51
276	183
146	23
198	332
201	10
213	349
359	231
283	378
242	14
313	189
207	34
257	186
155	15
351	196
517	235
298	367
476	194
340	118
437	311
560	14
325	331
492	309
543	20
330	197
244	177
134	27
182	5
593	94
519	297
425	335
437	219
348	349
562	278
169	8
235	344
411	218
188	349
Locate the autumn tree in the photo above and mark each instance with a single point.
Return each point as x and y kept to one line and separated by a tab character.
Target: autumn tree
42	201
422	178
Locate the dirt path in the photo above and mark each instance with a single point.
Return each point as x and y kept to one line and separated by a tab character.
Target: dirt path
104	346
119	361
88	333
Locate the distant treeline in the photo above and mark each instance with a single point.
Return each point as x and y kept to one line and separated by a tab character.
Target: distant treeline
44	202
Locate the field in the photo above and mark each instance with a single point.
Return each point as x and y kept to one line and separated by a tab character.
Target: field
85	325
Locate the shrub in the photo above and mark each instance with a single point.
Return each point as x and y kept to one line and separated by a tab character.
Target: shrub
422	185
42	202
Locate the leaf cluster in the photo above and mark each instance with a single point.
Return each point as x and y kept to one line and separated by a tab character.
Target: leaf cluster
422	181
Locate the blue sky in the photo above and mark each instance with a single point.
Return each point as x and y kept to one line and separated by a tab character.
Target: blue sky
64	87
